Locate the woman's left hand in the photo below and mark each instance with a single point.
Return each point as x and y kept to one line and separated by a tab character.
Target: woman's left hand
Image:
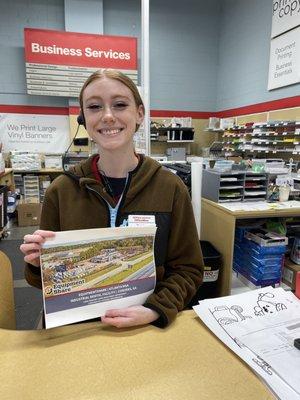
130	316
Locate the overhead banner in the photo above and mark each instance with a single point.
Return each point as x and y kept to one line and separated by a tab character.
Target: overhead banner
58	62
34	133
284	68
286	16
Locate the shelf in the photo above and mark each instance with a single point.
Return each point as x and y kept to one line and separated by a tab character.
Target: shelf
170	128
38	171
230	200
229	179
254	187
273	151
214	130
255	193
180	141
267	138
255	178
231	187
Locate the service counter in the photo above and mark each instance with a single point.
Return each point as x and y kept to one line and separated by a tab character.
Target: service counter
218	227
89	361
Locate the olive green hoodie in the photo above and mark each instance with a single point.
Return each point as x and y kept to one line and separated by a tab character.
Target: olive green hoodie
76	200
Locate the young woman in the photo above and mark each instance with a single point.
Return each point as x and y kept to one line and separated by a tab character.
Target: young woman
108	187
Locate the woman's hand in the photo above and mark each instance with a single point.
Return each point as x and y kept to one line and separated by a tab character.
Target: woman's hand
130	316
32	245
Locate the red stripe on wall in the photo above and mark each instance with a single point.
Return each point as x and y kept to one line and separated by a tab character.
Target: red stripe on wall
170	113
33	110
74	110
288	102
164	113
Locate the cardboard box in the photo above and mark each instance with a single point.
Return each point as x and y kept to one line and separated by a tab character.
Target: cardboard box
29	214
289	273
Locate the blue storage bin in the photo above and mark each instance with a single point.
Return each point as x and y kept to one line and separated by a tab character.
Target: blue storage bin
264	250
267	261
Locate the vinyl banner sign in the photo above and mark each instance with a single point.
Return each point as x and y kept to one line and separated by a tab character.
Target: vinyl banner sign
284	68
286	16
34	133
57	63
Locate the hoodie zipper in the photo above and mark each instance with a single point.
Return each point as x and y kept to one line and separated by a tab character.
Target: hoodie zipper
117	220
102	199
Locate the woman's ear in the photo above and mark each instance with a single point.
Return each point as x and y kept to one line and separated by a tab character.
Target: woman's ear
140	114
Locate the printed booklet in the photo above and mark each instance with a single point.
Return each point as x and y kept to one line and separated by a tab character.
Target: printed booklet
87	272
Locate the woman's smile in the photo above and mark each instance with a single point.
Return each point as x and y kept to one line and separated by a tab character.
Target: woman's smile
110	131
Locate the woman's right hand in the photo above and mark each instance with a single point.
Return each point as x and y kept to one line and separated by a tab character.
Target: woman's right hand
32	245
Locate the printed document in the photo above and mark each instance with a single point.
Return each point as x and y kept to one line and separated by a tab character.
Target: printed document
259	326
87	272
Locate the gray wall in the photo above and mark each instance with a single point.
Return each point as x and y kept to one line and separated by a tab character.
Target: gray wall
184	43
244	44
14	16
184	51
206	55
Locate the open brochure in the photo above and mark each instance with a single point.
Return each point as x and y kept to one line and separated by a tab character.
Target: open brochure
87	272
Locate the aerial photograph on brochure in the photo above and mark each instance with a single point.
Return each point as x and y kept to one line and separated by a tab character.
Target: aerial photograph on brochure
70	268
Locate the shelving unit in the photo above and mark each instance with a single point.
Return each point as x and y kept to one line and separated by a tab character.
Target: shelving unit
172	135
267	138
223	187
31	189
172	140
231	187
255	186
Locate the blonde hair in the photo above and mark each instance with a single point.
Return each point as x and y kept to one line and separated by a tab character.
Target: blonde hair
118	76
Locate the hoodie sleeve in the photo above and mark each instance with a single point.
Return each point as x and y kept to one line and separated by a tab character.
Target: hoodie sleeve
49	221
184	267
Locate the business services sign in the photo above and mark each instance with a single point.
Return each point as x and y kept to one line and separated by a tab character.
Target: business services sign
58	62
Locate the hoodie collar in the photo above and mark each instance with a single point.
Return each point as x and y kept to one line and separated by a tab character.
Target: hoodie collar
138	178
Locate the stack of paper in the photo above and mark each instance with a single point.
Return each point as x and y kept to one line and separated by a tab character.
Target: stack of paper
260	327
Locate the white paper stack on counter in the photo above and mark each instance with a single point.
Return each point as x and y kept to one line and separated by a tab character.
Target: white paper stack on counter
260	327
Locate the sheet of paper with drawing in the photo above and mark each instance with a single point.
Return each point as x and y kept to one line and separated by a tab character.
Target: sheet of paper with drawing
87	272
225	315
272	338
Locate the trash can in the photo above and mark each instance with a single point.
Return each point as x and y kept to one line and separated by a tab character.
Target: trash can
212	263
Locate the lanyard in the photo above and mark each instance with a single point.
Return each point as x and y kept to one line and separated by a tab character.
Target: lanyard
113	211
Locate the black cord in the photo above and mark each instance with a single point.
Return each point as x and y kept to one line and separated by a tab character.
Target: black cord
107	184
65	153
78	126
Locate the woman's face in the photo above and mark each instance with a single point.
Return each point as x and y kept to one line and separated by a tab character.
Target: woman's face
111	114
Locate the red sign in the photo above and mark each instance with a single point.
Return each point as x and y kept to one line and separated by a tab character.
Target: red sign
44	46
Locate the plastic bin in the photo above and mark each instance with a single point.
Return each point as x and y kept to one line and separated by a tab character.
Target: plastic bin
212	264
